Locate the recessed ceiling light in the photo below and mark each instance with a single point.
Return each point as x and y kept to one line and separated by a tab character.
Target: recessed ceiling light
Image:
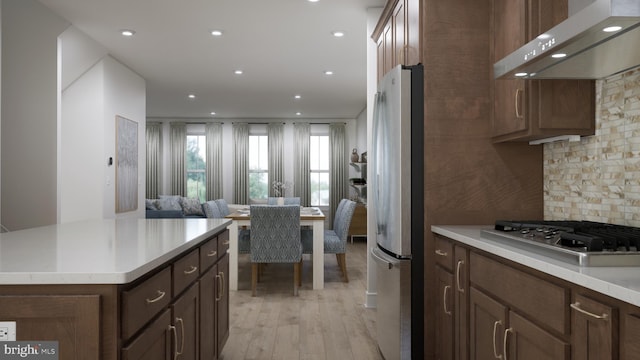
338	33
213	113
298	113
312	0
558	55
521	74
297	96
191	96
127	32
216	32
238	72
612	29
328	72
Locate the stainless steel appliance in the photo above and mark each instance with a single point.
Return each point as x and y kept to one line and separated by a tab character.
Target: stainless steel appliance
396	189
583	243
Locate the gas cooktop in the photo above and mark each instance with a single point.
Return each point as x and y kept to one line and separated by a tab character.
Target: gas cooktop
584	243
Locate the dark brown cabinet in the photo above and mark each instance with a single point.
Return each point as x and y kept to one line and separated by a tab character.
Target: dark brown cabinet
594	328
153	344
444	314
185	325
208	320
534	109
222	301
487	323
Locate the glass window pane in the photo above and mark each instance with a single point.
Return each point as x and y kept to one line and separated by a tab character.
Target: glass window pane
195	166
258	185
323	147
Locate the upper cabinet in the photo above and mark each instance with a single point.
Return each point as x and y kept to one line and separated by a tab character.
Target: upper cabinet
527	110
397	35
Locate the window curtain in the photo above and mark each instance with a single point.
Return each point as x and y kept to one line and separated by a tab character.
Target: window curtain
337	168
302	167
178	153
241	163
154	159
275	133
213	171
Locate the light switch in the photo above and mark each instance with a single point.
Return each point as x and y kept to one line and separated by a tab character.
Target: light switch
7	331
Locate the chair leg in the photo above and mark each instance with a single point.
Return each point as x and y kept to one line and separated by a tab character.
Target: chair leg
300	273
254	278
342	262
296	278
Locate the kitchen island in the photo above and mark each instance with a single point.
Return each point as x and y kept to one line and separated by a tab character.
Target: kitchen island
119	288
529	303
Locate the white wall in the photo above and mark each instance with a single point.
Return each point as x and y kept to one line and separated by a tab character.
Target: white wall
29	114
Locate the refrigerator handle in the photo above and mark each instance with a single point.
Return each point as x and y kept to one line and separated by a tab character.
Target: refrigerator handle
382	259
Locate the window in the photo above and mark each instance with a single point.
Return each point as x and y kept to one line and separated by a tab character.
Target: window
319	169
258	167
195	165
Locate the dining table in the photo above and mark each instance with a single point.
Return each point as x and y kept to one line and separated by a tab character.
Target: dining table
309	216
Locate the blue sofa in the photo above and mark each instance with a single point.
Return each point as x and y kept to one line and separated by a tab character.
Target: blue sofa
175	206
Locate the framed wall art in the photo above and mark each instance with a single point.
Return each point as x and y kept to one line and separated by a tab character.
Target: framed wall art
126	165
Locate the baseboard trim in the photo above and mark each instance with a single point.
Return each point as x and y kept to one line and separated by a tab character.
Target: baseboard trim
370	300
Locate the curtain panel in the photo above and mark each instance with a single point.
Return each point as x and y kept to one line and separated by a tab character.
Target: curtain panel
153	136
213	171
338	188
275	133
302	168
178	152
241	163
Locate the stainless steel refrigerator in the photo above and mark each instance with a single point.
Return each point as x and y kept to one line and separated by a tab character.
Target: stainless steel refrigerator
397	199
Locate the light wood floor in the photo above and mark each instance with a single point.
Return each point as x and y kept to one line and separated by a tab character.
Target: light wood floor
318	324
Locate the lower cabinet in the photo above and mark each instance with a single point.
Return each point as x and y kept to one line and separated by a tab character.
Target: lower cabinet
185	325
444	314
222	302
208	321
594	328
153	343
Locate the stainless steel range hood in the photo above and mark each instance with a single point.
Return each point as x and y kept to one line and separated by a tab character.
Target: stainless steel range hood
590	52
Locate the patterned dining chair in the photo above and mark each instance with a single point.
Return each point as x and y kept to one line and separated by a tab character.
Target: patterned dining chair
275	238
335	240
287	201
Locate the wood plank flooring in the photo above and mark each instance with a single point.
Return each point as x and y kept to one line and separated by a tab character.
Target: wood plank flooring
318	324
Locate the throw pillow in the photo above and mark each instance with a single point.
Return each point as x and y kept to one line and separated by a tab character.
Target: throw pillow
150	204
211	209
191	206
168	203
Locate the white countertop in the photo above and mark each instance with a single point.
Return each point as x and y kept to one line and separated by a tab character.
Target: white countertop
113	251
622	283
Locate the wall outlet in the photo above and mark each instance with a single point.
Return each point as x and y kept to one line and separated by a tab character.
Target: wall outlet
7	331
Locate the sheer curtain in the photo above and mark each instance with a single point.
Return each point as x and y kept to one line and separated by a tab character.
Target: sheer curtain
301	168
338	189
275	135
178	150
213	172
154	152
241	163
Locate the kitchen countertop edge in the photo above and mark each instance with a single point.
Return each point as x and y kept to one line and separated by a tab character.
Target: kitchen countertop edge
622	283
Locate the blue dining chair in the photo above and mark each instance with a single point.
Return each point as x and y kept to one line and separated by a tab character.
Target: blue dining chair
287	201
275	238
335	240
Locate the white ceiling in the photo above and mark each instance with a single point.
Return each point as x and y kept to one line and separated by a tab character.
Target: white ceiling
283	47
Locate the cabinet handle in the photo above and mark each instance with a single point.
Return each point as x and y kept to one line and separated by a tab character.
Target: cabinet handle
182	342
441	253
495	330
191	271
212	253
504	342
518	92
160	296
223	285
219	278
576	306
175	340
226	242
460	263
444	299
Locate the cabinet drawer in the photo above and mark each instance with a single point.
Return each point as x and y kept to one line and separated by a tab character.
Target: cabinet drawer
444	253
153	342
185	271
144	301
223	243
535	298
209	253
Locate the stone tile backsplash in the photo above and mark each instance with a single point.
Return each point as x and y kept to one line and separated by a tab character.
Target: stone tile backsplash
598	178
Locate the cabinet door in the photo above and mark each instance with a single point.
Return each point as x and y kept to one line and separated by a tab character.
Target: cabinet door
444	315
526	341
630	335
413	55
185	322
222	302
461	312
487	323
594	330
153	343
208	325
398	20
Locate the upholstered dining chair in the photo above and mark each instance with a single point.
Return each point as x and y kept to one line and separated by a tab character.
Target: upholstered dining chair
287	201
275	238
335	240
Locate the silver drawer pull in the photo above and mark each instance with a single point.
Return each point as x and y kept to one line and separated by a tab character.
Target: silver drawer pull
212	253
460	288
191	271
226	242
441	253
505	341
576	306
444	300
495	329
160	296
